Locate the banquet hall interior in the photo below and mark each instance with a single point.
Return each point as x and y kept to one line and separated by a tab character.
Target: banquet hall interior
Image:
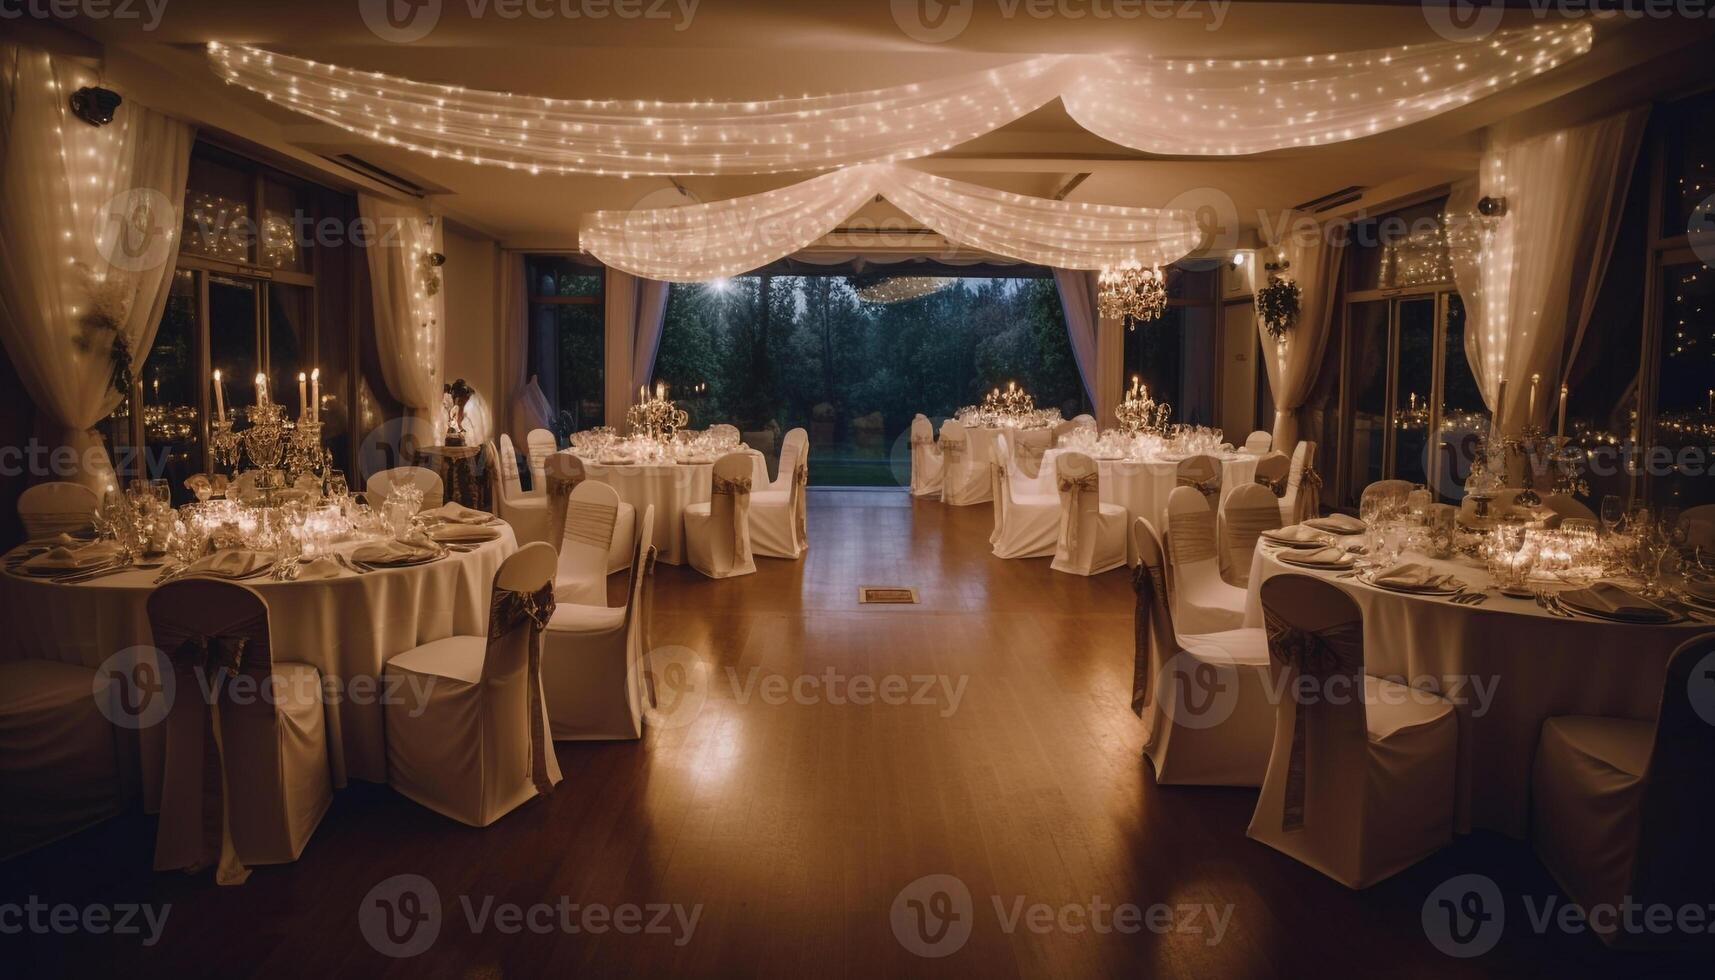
890	487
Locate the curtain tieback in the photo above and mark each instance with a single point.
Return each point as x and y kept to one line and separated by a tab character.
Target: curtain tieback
1319	655
511	610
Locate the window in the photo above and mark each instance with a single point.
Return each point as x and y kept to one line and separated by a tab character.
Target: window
1176	355
567	339
853	357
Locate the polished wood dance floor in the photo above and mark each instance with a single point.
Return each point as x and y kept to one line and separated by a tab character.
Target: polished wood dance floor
794	814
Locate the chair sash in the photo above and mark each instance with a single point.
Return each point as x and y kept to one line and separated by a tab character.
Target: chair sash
923	442
1201	473
952	448
800	482
559	488
508	611
1152	627
1246	524
1321	655
1308	502
1191	538
590	522
1277	487
739	490
1075	488
48	523
195	827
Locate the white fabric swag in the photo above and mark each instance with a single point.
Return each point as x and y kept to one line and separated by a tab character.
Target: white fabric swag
1078	302
1530	278
635	310
1314	254
698	242
1174	106
410	323
89	235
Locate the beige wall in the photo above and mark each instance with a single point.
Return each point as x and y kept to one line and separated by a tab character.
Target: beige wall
471	303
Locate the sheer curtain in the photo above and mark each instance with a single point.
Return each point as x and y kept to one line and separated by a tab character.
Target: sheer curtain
522	413
1078	302
1314	254
635	310
89	235
1530	277
651	317
410	322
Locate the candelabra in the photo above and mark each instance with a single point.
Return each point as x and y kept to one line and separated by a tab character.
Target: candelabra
224	444
657	418
1140	413
1014	403
264	442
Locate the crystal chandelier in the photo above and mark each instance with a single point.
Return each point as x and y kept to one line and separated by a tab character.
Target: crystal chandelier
1132	293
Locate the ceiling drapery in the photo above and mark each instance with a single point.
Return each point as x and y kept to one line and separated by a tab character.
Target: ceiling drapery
1181	106
698	242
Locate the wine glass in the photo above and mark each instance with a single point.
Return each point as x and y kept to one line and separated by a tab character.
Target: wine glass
1612	510
161	492
338	491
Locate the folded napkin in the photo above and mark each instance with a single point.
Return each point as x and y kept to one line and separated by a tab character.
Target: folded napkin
1608	599
1338	524
1296	532
453	512
462	533
1329	557
1415	577
236	563
393	553
73	555
319	567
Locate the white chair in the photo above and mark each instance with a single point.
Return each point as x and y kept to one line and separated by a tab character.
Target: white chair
1620	807
1028	448
59	768
724	430
272	754
1699	524
1201	473
1092	534
1366	788
927	466
564	474
1029	518
591	656
526	513
1391	492
1202	601
379	485
1568	507
717	533
777	520
965	479
1302	500
1273	471
1259	442
1246	513
1204	699
478	746
539	444
60	507
1085	420
589	521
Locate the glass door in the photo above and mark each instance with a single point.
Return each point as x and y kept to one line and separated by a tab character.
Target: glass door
1368	367
1414	340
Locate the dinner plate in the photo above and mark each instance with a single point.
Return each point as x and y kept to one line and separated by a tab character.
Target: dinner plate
1295	545
1569	600
1344	564
1437	591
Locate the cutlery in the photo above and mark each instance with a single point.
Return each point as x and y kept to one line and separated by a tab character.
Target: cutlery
92	573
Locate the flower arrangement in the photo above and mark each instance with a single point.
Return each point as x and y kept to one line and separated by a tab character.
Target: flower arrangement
1277	303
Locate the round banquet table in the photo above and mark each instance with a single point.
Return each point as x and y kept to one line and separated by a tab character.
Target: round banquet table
1507	665
347	626
669	488
1142	486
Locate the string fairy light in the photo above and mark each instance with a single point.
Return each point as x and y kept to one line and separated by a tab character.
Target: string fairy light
699	242
1182	106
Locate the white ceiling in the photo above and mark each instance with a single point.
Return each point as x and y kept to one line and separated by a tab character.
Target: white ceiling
736	49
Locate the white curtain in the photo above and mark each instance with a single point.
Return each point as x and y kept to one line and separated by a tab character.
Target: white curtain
514	370
651	316
410	322
1314	254
89	236
1529	278
1078	303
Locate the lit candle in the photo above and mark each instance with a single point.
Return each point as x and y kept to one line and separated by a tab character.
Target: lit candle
1530	415
642	394
1563	394
261	389
661	390
316	395
1712	401
303	396
219	397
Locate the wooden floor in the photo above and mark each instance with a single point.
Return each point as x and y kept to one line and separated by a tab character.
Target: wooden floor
795	826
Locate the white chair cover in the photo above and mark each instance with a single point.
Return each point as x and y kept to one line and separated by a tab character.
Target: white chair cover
1259	442
926	462
59	771
478	746
723	429
1394	491
1092	534
1302	500
1201	473
965	479
434	491
588	516
1028	446
1245	513
717	533
528	515
1085	420
1204	700
592	657
60	507
563	473
270	752
539	444
1273	471
1621	807
1029	521
1359	788
1202	601
1699	524
777	520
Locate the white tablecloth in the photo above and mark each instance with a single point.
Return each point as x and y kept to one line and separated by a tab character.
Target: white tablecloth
1142	486
346	626
1533	666
669	488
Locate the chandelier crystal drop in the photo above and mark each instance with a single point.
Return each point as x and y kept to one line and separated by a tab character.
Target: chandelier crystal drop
1132	293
